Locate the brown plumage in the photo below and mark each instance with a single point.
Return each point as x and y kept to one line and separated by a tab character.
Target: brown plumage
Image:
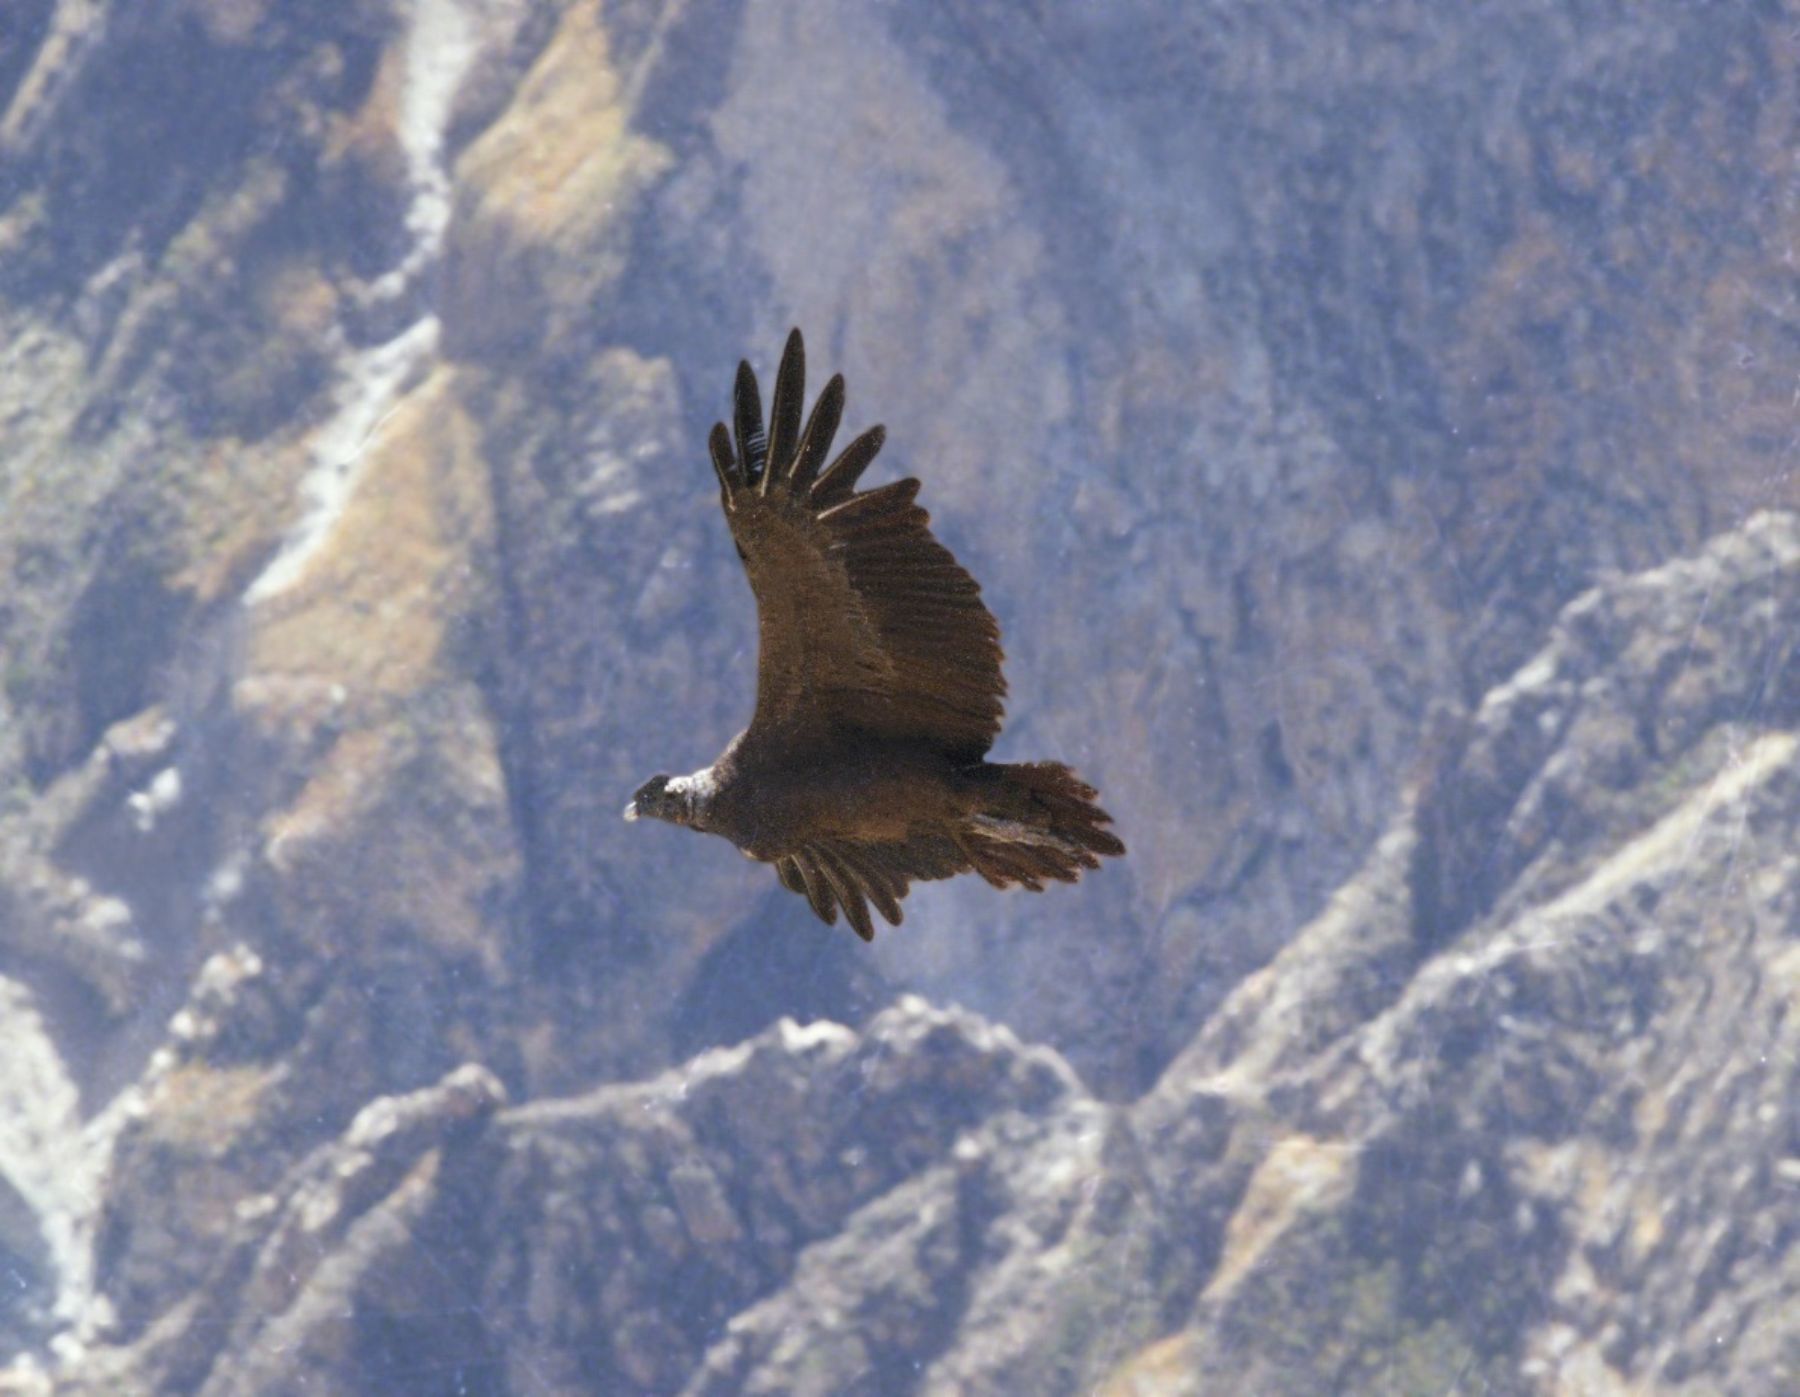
878	687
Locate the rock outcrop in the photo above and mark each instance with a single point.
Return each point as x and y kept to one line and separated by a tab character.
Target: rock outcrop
1527	1088
1516	1109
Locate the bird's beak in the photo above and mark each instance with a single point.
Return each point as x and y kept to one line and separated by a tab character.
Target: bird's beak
631	810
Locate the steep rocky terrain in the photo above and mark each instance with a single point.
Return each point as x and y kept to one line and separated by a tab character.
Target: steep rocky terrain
1359	418
1517	1112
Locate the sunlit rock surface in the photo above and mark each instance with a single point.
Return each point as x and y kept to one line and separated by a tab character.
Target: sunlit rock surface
1528	1086
1358	418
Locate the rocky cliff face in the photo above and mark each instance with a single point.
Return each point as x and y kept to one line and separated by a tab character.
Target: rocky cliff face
1357	419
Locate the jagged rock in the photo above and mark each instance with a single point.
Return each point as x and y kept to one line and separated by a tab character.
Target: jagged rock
603	1240
1523	1133
708	1182
281	1299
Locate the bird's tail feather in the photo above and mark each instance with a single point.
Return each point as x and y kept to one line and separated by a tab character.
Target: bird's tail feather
1040	822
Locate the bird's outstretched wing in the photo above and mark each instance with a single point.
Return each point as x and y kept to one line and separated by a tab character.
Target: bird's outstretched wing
867	623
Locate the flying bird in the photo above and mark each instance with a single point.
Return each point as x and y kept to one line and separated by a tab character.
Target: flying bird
878	689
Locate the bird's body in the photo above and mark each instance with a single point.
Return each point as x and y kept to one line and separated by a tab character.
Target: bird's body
878	688
773	799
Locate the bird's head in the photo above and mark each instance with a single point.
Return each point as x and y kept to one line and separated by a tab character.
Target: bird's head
671	798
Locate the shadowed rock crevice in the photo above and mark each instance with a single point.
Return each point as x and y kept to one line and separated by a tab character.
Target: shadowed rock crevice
122	631
749	979
105	181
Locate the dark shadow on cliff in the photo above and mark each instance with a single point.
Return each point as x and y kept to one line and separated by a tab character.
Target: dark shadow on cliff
778	961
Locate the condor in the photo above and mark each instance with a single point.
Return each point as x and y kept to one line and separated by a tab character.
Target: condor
878	687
